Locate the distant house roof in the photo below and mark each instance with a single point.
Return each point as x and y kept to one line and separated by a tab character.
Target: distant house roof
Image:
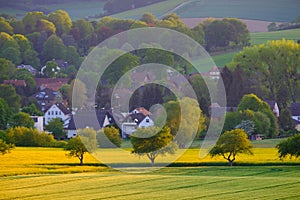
137	117
271	103
84	119
15	82
142	110
51	83
28	67
295	109
46	94
61	107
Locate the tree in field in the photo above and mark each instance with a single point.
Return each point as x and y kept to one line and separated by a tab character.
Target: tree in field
290	146
107	136
152	142
83	143
192	121
21	119
56	127
5	148
230	144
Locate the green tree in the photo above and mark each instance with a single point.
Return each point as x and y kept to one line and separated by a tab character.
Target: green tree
72	57
53	48
230	144
7	68
62	21
12	54
83	143
46	26
51	70
109	137
5	26
13	100
4	114
290	146
30	57
31	19
149	18
152	142
285	120
56	127
21	119
187	115
32	110
252	102
5	148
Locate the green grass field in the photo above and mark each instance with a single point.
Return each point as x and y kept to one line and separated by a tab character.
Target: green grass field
46	173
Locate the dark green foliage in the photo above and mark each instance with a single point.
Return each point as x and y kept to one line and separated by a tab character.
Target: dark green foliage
290	146
4	114
21	119
56	127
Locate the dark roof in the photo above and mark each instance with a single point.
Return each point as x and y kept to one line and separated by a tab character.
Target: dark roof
137	117
61	107
295	109
85	119
46	94
271	103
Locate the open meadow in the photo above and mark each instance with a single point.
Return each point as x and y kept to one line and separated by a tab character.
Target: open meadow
46	173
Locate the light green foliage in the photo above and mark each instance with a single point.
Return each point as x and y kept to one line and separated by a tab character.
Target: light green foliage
152	142
31	19
109	137
21	119
230	144
253	103
46	26
5	148
5	26
290	146
7	68
61	20
51	69
83	143
32	110
186	113
56	127
23	136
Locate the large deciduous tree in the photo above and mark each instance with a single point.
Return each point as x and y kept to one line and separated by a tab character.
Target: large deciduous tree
62	21
185	119
13	100
21	119
290	146
230	144
53	48
56	127
152	142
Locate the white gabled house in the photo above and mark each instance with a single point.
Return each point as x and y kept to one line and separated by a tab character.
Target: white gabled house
295	111
57	111
38	122
134	121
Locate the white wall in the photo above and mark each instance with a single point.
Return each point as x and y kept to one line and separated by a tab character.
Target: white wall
147	122
55	112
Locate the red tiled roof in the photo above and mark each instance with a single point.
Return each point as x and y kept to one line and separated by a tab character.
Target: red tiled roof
15	82
51	83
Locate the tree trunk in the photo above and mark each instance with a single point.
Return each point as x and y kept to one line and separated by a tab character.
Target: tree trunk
230	163
152	161
81	160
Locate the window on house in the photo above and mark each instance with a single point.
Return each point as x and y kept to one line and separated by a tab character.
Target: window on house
147	120
35	119
49	113
59	112
52	112
56	113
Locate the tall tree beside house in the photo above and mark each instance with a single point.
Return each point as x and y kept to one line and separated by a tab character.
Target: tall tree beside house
21	119
152	142
252	102
230	144
32	110
56	127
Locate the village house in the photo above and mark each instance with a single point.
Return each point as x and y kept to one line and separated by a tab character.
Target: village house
31	69
38	122
295	111
45	98
57	111
274	107
51	83
84	119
